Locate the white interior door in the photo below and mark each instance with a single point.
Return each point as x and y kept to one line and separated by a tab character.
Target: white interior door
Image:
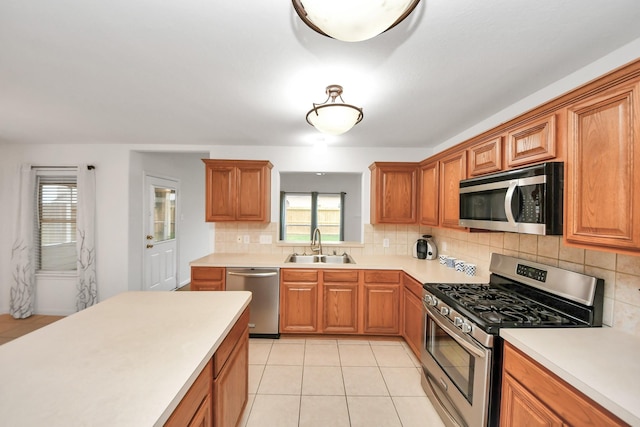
161	234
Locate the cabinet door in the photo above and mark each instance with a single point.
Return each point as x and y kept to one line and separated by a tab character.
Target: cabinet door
299	300
195	407
340	301
381	309
521	408
394	193
220	197
603	171
340	308
252	195
230	388
429	179
532	142
453	169
485	157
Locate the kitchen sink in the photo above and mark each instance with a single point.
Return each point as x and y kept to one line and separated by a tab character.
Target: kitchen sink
327	259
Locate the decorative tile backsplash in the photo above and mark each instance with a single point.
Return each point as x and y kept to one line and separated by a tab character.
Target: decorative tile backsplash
621	273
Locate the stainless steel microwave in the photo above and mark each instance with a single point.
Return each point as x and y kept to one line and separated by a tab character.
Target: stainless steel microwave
527	200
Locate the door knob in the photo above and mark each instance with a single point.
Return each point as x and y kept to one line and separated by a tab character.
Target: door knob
149	237
149	246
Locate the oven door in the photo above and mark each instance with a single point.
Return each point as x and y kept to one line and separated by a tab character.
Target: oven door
456	372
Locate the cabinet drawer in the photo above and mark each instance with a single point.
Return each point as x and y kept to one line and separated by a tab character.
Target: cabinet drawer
412	285
295	275
341	276
207	273
382	276
225	349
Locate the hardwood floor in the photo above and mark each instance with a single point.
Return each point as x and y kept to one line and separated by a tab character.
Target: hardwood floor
11	328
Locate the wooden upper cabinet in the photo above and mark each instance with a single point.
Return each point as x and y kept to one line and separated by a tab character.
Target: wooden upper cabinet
603	171
238	190
485	157
532	142
429	190
453	169
394	192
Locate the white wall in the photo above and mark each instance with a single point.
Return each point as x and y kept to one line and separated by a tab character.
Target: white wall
194	234
55	296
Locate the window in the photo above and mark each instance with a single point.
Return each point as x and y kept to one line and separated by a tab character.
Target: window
301	213
55	234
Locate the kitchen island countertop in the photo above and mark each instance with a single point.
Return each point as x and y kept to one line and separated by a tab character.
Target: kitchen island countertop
600	362
127	361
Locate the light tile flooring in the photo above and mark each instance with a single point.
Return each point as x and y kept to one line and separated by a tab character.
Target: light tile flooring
335	382
317	381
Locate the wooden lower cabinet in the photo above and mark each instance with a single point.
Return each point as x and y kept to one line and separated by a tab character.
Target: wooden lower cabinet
231	386
412	314
195	407
298	300
533	396
381	305
207	279
220	393
340	301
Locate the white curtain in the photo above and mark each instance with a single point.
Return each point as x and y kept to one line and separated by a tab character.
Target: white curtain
22	293
85	224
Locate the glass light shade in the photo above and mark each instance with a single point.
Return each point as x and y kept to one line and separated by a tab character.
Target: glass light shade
353	20
334	119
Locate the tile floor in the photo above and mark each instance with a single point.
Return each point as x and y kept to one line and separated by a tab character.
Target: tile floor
317	381
335	382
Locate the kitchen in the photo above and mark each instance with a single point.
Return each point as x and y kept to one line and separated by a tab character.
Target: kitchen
121	164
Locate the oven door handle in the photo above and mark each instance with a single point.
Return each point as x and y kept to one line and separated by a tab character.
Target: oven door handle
455	335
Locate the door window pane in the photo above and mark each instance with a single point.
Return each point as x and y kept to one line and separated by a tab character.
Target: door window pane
164	214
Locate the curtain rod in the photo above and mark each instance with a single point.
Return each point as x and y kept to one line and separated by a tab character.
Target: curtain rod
90	167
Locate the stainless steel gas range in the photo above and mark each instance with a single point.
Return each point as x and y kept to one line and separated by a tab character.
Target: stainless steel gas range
461	349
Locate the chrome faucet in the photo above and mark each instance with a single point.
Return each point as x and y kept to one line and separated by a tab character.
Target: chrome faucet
316	245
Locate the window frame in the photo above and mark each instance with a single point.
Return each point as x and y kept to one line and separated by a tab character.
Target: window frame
62	176
314	211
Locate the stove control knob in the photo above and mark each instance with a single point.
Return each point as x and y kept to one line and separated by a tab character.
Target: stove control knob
427	299
444	310
466	328
458	321
434	301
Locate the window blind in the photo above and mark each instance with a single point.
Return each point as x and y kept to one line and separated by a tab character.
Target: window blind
57	201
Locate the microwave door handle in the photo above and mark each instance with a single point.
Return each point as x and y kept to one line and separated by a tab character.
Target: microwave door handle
507	202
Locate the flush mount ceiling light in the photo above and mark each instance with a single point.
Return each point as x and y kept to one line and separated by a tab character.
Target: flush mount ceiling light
331	117
353	20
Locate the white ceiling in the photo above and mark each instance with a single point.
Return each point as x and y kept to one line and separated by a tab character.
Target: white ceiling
246	72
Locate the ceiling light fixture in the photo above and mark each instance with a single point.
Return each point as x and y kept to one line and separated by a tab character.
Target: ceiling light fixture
353	20
334	118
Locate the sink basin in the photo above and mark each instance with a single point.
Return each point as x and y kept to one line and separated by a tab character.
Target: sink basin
328	259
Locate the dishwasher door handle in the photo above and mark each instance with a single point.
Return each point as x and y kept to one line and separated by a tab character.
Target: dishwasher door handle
242	274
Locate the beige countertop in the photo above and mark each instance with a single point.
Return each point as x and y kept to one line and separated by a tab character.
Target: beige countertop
127	361
602	363
420	269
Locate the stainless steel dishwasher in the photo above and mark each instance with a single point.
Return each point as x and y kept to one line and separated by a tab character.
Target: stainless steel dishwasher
264	308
